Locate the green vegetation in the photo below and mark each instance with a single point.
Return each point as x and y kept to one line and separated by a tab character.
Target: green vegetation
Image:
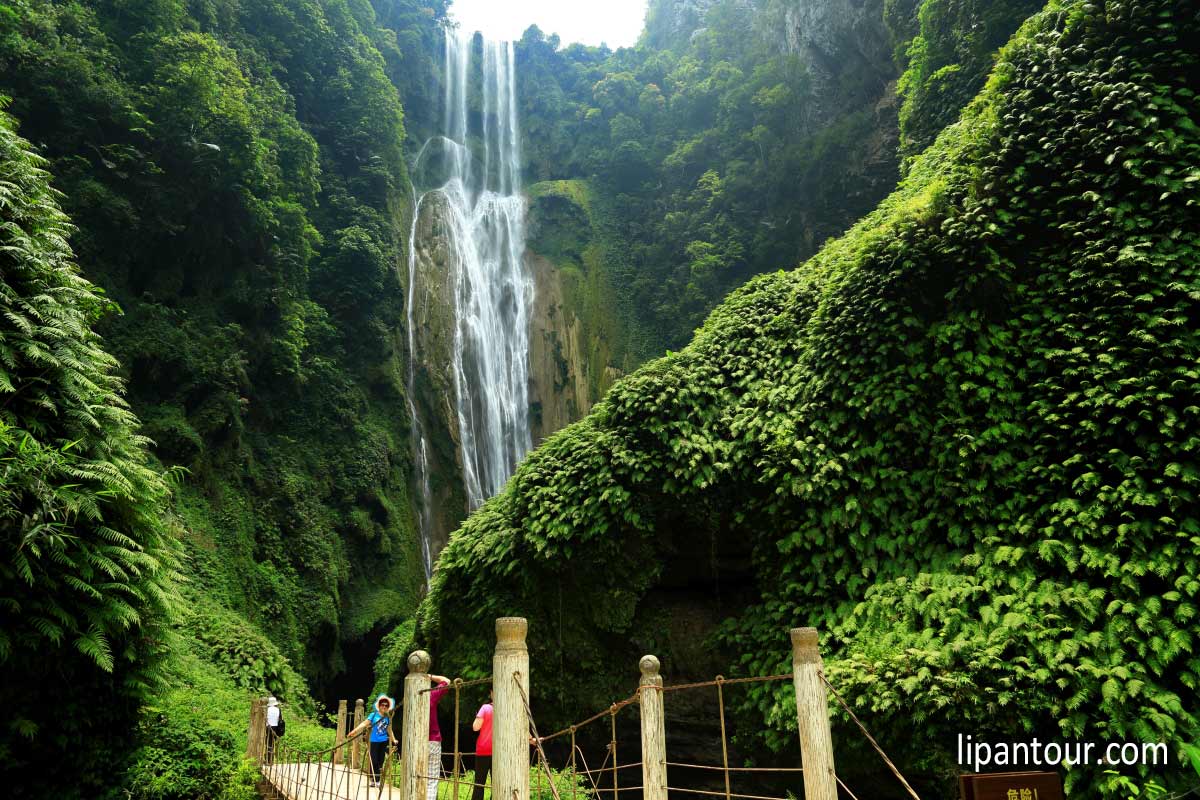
708	162
722	146
576	227
568	784
958	439
236	175
949	54
193	733
90	567
391	665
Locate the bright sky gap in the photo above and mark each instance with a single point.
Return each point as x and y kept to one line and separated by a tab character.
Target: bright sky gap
617	23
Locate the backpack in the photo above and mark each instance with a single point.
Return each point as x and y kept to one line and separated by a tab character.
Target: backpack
279	728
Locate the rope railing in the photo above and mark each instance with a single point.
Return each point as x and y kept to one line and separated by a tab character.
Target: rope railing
457	776
461	782
577	761
330	772
537	740
734	769
725	768
723	794
721	679
615	707
460	683
895	771
845	788
610	769
317	775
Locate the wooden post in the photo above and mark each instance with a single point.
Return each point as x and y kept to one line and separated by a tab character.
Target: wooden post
654	731
256	735
510	726
414	752
812	712
339	738
359	716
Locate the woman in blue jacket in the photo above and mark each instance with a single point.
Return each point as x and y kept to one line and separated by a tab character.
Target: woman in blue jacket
380	723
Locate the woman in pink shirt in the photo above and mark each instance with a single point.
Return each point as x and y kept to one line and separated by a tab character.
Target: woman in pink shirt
441	686
483	747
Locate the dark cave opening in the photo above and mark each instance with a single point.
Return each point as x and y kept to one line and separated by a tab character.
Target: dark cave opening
357	676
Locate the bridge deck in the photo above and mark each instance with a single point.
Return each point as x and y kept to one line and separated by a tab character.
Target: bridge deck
322	782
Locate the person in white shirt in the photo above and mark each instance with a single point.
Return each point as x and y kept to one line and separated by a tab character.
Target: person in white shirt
274	729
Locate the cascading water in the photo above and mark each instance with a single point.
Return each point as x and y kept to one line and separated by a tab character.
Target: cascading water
482	215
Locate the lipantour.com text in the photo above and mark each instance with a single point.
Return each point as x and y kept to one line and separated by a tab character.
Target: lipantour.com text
1035	753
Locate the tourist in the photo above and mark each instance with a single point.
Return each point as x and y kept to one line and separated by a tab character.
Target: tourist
274	727
380	723
483	747
435	734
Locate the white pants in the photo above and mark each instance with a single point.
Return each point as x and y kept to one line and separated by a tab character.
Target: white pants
435	769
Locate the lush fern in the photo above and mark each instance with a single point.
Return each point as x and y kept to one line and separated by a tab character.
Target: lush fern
89	565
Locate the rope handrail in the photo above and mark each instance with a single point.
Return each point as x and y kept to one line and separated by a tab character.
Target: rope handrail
720	679
610	769
291	769
719	682
442	778
613	709
870	738
338	746
588	773
458	683
536	739
733	769
842	784
328	770
622	789
722	794
633	698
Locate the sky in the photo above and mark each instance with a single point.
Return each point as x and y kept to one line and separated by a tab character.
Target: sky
616	23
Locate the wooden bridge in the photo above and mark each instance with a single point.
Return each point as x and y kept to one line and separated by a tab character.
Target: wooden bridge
344	771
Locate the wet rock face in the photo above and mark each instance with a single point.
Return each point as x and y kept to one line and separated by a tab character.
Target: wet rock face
846	48
570	352
845	45
433	362
558	390
568	363
670	23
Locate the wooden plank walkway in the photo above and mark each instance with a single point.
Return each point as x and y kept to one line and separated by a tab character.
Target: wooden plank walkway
323	782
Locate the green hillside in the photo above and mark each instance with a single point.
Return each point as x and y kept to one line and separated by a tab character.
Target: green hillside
235	175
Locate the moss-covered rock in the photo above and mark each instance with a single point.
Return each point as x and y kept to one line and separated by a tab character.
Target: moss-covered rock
434	389
577	339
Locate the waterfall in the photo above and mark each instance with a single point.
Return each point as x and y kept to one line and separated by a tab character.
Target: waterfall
482	216
424	504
